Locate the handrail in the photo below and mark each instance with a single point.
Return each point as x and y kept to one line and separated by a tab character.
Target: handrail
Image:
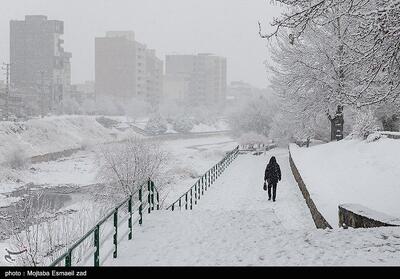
204	182
150	203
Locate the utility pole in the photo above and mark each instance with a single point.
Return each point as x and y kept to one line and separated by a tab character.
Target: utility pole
6	67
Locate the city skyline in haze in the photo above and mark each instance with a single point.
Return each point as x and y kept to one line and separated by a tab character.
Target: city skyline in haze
173	26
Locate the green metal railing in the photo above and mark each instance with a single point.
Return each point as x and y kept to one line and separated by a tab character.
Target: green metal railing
145	199
198	189
134	206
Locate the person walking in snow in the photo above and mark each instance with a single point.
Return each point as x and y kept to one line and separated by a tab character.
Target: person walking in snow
272	176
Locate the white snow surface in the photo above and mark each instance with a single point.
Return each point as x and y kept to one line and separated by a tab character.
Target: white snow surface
190	159
235	225
351	172
53	134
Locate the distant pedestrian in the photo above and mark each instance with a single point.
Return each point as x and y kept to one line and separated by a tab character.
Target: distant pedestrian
272	176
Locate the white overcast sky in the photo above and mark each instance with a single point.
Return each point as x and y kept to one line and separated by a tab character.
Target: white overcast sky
225	27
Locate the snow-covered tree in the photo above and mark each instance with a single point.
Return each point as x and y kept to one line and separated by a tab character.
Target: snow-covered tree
127	166
389	115
38	234
367	35
365	123
156	125
183	124
253	116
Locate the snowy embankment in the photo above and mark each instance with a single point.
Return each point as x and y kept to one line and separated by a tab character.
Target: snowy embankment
219	126
53	134
354	172
36	137
189	157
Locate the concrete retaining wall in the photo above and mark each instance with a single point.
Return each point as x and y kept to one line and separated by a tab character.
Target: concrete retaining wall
319	220
391	135
358	216
53	156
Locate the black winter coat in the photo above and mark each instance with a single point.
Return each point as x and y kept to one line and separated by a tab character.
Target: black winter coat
272	172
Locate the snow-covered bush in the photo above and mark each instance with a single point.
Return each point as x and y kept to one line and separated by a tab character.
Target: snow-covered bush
253	116
389	116
41	234
156	125
183	124
365	123
374	137
127	166
252	138
16	158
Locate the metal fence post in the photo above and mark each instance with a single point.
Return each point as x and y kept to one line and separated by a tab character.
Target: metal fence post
152	194
68	259
186	201
97	245
195	193
115	233
140	206
198	189
206	181
180	204
130	217
158	201
149	197
191	199
202	186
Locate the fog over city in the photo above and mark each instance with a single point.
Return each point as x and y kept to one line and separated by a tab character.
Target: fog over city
224	27
199	133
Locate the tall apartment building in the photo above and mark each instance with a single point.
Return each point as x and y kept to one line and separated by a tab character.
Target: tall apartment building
38	60
203	77
125	68
154	76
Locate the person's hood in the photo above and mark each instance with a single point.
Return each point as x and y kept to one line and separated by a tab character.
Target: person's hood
272	160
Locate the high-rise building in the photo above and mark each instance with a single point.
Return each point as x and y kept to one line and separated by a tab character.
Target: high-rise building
203	75
38	60
125	68
154	80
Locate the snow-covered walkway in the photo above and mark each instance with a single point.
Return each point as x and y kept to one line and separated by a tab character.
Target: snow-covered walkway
235	224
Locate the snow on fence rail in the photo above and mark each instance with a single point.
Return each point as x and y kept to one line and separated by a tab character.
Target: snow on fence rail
97	237
205	181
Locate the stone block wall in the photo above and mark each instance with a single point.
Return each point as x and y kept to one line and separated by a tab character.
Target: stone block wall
358	216
319	220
